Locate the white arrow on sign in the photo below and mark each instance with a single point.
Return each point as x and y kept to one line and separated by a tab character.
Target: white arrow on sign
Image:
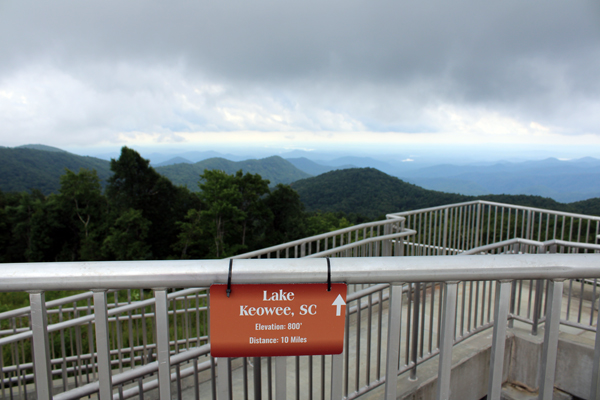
339	302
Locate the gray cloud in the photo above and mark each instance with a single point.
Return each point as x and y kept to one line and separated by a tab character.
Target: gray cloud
377	65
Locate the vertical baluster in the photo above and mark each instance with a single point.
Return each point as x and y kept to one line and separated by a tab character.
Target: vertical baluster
379	333
119	334
90	336
423	309
63	352
102	348
269	378
447	340
369	329
79	348
393	350
130	336
163	349
549	350
310	377
196	380
322	377
595	386
41	346
280	378
257	377
245	377
499	340
468	221
224	381
2	371
145	351
347	352
495	224
337	373
357	335
297	359
431	314
477	223
445	237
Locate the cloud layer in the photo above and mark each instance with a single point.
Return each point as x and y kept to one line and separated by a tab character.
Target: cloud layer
77	73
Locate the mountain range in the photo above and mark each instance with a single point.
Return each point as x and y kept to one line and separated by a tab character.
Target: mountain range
38	166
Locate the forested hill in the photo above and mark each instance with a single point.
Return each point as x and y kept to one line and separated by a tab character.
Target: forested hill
40	167
275	169
26	168
371	193
368	192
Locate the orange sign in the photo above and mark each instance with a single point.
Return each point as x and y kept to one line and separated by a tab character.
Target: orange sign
277	320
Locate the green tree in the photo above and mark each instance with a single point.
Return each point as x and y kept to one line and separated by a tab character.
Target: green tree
191	239
221	196
84	209
289	218
136	185
126	240
37	233
252	190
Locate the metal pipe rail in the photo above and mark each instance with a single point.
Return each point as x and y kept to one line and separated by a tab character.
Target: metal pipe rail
299	246
36	277
159	275
451	229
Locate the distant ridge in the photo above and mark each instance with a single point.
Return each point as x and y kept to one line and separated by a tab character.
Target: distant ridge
41	147
313	168
275	169
175	160
371	193
368	192
565	181
40	167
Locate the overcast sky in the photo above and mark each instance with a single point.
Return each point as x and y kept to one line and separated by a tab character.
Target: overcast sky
301	74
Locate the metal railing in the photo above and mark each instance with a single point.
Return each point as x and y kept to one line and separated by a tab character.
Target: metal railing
454	228
371	239
84	351
397	272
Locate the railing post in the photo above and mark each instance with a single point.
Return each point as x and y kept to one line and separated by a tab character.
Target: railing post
548	365
387	244
447	341
513	300
337	376
595	389
445	238
537	304
477	221
102	346
393	341
499	340
280	378
401	240
414	341
41	347
224	379
163	347
256	364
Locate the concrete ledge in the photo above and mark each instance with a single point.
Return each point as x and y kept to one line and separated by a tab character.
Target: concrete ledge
469	378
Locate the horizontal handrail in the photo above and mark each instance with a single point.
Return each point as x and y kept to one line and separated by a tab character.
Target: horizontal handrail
546	244
313	238
492	203
199	273
406	232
